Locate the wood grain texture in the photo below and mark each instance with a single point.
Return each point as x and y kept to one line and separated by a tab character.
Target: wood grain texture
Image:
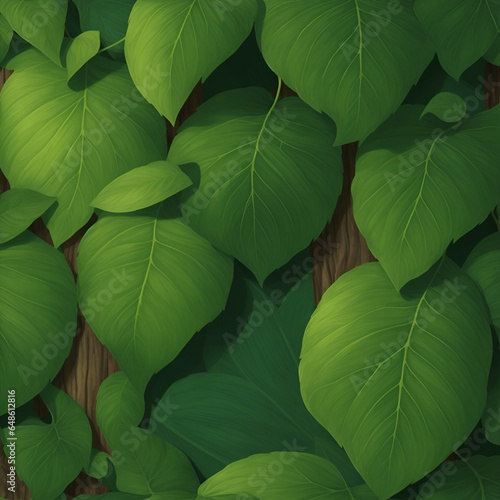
89	362
491	85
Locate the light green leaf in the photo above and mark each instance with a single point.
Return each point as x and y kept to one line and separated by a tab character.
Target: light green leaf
387	375
81	49
270	177
142	187
160	281
50	456
354	59
40	22
462	32
250	400
153	466
37	313
120	405
280	475
171	45
473	479
98	465
18	209
447	107
5	36
114	495
110	17
483	265
71	141
421	184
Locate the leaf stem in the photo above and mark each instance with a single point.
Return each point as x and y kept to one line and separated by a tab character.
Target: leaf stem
111	46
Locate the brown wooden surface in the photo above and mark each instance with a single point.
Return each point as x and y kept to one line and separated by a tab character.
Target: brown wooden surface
89	362
492	85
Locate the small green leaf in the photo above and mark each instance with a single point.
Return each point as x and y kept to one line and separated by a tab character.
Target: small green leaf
98	465
72	140
120	405
474	478
18	209
461	33
142	187
483	265
40	22
388	375
447	107
355	60
5	36
50	456
109	17
420	185
249	402
171	45
280	475
160	281
81	49
38	316
270	177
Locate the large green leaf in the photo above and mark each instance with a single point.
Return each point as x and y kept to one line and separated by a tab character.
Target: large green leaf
81	49
171	45
49	456
446	106
160	282
249	401
354	59
483	265
71	141
422	183
142	187
491	412
40	22
461	32
37	316
473	479
18	209
270	177
5	36
109	17
280	475
397	380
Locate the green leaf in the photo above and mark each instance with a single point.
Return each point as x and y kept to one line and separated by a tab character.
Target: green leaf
354	59
115	495
250	400
277	157
71	141
461	33
98	466
142	187
145	464
421	184
279	475
475	478
493	54
171	45
160	283
81	49
387	375
491	413
50	456
37	313
5	36
110	17
119	405
447	107
18	209
40	22
483	265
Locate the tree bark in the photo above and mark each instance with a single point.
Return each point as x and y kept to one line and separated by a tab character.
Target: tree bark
89	362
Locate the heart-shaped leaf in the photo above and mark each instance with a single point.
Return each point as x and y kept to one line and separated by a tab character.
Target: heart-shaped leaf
80	50
421	183
270	177
447	107
388	375
171	45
